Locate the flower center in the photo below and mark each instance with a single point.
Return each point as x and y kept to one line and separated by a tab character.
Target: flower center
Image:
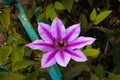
60	44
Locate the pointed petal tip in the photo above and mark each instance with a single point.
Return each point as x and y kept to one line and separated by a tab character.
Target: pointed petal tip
84	59
27	45
31	46
62	58
92	40
48	59
56	18
58	29
63	65
43	66
72	32
44	31
39	23
78	24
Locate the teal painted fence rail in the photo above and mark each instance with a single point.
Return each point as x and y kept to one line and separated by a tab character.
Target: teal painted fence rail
26	24
3	69
53	71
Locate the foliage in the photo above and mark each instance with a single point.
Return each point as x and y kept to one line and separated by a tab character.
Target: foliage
98	18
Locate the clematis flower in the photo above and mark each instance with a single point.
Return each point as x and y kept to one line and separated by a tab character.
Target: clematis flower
60	44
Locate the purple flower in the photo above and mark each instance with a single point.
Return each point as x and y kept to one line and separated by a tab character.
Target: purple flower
60	44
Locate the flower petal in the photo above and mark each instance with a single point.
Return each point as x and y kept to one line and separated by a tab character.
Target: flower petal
72	32
58	29
40	45
77	55
48	59
62	58
81	42
45	32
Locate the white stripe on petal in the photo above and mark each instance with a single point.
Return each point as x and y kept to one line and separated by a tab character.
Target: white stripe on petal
81	42
72	32
48	59
58	29
62	58
45	32
41	45
77	55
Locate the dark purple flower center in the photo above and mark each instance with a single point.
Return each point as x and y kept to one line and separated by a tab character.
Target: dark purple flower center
60	44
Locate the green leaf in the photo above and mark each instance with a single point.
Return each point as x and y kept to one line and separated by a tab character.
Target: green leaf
93	15
41	16
90	2
17	54
94	77
75	70
105	79
83	21
116	69
5	17
91	52
32	76
99	71
43	79
116	56
10	76
50	12
68	4
114	76
4	53
19	42
53	14
76	0
105	30
100	17
59	6
29	12
22	64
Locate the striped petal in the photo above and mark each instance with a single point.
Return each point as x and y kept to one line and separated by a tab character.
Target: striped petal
45	32
40	45
72	32
62	58
77	55
48	59
58	29
81	42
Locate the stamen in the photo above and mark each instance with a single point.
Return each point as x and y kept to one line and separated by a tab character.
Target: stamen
60	44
